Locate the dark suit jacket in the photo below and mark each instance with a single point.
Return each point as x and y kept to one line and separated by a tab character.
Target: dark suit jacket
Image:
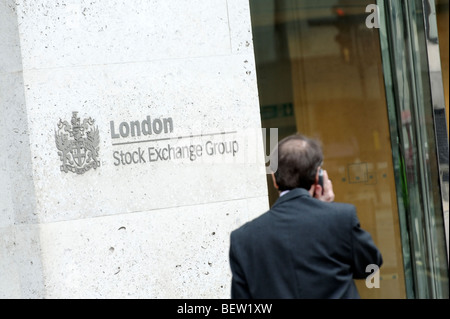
301	248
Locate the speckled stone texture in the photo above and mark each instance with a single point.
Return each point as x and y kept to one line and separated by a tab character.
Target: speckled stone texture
144	224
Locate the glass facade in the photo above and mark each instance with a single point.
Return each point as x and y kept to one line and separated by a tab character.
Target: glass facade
442	8
356	75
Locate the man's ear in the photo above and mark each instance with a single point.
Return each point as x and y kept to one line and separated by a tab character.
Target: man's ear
274	181
317	176
316	187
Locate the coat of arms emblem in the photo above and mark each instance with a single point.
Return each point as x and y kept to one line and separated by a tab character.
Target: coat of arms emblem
78	144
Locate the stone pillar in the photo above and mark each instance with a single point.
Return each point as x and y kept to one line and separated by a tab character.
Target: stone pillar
130	146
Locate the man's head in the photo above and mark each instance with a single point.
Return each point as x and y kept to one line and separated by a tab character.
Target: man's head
299	157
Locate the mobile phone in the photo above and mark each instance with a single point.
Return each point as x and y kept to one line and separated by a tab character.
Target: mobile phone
320	182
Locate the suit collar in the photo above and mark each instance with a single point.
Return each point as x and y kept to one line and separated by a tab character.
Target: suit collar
294	193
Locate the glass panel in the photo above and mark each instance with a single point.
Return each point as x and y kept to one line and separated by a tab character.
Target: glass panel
442	7
408	72
442	10
320	73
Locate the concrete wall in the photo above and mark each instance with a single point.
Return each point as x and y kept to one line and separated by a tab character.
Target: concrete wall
135	223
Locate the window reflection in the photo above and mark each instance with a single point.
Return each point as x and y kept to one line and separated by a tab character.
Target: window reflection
442	14
442	8
320	73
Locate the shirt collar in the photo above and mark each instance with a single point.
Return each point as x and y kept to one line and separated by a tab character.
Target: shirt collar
284	192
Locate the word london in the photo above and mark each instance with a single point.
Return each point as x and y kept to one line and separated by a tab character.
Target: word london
146	127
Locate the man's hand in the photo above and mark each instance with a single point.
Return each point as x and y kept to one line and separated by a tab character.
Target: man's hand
326	194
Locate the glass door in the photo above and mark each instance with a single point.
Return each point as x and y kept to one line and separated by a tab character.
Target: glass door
363	77
320	73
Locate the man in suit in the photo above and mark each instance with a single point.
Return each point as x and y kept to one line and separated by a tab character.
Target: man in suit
306	245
